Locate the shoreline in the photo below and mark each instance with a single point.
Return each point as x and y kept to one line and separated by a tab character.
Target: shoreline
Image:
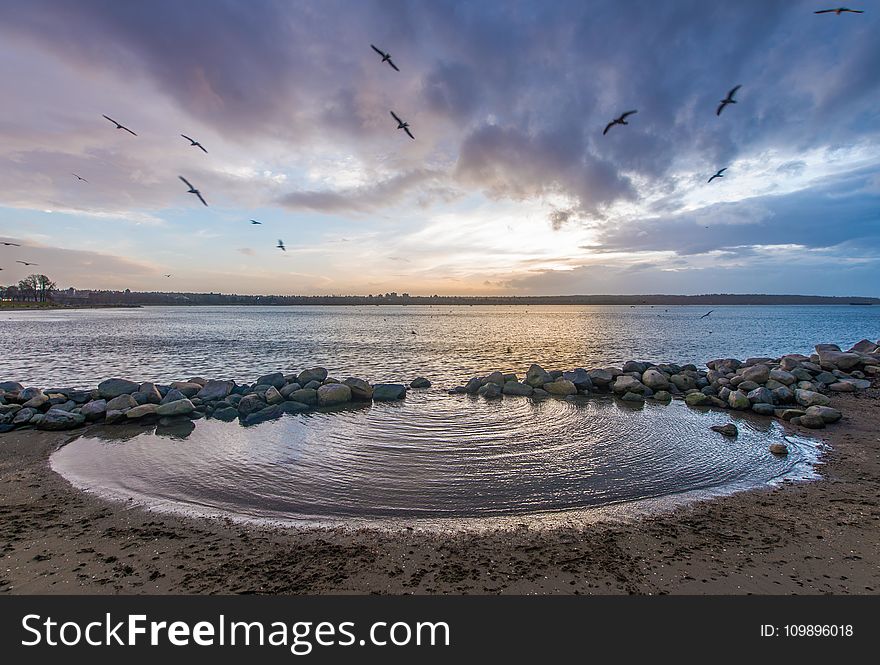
804	537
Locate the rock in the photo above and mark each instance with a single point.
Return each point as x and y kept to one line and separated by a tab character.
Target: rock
303	395
812	421
273	396
187	388
386	392
94	410
540	393
5	427
269	413
226	414
683	382
764	409
864	346
747	386
600	377
697	399
580	378
858	384
537	377
783	395
181	407
215	390
560	387
141	411
308	375
516	388
150	392
739	401
24	415
785	378
662	396
275	379
510	377
655	379
252	403
760	396
842	387
291	388
472	386
728	429
779	449
334	393
294	407
826	413
494	377
837	359
172	395
758	373
55	420
810	398
36	401
626	384
826	378
490	390
360	390
11	386
633	397
788	414
634	366
420	382
121	403
115	387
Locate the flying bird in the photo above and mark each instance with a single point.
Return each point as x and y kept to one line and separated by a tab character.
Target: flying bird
11	244
618	121
118	126
193	190
718	174
839	11
402	125
253	221
79	177
386	57
707	314
280	245
195	143
727	100
26	263
167	275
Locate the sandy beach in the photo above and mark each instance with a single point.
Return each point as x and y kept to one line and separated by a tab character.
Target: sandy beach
808	537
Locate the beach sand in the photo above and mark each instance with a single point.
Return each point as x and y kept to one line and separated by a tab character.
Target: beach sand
807	537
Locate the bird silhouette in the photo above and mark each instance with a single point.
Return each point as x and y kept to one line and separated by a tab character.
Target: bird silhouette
167	275
707	314
839	11
11	244
386	57
253	221
118	126
193	190
27	263
727	100
281	246
621	120
78	177
402	125
195	143
718	174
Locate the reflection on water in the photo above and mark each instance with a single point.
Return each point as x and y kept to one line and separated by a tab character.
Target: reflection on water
432	457
83	347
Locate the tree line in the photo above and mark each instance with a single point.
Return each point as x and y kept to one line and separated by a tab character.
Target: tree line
33	288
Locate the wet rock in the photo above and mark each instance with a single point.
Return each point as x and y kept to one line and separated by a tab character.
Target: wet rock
683	382
764	409
779	449
226	414
537	376
738	401
308	375
633	397
626	384
655	379
55	420
697	399
760	396
420	382
275	379
580	378
560	387
473	385
252	403
540	392
600	377
662	396
115	387
11	386
294	407
273	396
810	398
291	388
121	403
826	413
24	415
141	411
361	391
812	421
386	392
214	390
261	416
728	429
304	396
490	391
6	427
789	414
181	407
187	388
494	377
515	388
758	373
332	394
94	410
173	395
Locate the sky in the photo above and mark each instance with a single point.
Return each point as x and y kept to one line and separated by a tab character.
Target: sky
510	186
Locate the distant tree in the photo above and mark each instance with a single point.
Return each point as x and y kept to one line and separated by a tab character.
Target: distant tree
45	288
29	288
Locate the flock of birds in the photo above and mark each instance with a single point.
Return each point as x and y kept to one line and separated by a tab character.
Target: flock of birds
405	126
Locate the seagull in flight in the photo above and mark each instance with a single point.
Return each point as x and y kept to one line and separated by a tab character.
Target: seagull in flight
11	244
253	221
386	57
195	143
707	314
727	100
718	174
167	275
402	125
280	245
79	177
118	126
26	263
618	121
839	11
193	190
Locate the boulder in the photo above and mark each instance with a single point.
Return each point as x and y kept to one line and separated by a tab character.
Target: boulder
36	402
60	420
473	385
788	414
303	396
111	388
759	373
864	346
826	413
697	399
172	395
386	392
810	398
150	392
655	379
626	384
728	429
779	449
333	393
560	387
94	410
760	396
269	413
516	388
275	379
494	377
24	415
764	409
141	411
783	377
273	396
662	396
308	375
289	389
187	388
121	403
215	390
600	377
738	400
226	414
812	421
420	382
634	366
633	397
490	390
537	376
842	387
360	389
11	386
181	407
251	404
783	395
683	382
580	378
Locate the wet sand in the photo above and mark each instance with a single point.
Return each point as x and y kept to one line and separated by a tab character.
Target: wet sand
815	537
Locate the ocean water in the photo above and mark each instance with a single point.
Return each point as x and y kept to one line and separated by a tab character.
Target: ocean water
79	348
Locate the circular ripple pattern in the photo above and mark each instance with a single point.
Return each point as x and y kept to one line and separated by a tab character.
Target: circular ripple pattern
431	457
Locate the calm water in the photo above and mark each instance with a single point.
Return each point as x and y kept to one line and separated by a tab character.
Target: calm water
82	347
433	459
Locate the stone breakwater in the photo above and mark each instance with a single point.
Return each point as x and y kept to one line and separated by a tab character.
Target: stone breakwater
123	401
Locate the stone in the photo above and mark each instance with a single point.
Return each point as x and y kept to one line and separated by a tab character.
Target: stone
55	420
141	411
760	395
214	390
539	393
334	393
729	429
291	388
779	449
580	378
121	403
473	385
294	407
826	413
269	413
634	366
633	397
420	382
810	398
697	399
150	392
275	379
560	387
537	377
783	395
173	395
655	379
812	421
187	388
662	396
181	407
864	346
94	410
826	377
738	400
783	377
842	387
764	409
860	384
111	388
308	375
836	358
273	396
226	414
683	382
516	388
252	403
386	392
303	395
11	386
36	401
788	414
360	390
626	384
494	377
600	377
758	373
489	390
5	427
24	416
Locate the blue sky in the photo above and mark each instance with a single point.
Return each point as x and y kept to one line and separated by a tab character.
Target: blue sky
510	186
